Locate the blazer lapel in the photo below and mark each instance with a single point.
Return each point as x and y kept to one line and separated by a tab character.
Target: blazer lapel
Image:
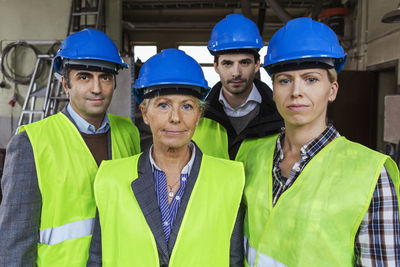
185	199
144	190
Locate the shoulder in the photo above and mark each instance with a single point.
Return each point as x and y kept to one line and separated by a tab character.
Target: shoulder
117	164
263	88
222	164
19	142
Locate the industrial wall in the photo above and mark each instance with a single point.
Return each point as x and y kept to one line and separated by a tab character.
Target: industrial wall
43	20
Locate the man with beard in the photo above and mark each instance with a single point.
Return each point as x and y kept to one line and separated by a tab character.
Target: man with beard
240	111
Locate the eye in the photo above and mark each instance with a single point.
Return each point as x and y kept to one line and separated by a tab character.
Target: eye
283	81
187	107
107	77
245	62
83	77
163	105
226	63
311	79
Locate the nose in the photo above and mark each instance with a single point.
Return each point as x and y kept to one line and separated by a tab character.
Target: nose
296	90
175	115
236	71
96	88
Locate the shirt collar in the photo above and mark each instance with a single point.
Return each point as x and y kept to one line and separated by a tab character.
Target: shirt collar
315	145
84	126
188	166
254	96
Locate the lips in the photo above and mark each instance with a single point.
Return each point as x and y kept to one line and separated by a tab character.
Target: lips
236	81
96	99
174	132
297	107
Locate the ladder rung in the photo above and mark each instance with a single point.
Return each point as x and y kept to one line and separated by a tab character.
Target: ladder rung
32	112
85	13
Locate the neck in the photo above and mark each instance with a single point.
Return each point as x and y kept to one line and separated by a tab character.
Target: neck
235	100
95	121
168	158
297	136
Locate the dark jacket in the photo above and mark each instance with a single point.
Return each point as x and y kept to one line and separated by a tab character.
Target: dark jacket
267	122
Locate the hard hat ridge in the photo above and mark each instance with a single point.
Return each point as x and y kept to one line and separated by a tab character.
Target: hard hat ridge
170	72
304	41
89	47
235	32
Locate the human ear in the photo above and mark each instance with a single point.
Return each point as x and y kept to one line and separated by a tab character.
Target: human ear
143	109
65	85
333	91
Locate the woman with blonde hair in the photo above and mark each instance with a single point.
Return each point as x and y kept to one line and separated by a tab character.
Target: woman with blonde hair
170	205
313	197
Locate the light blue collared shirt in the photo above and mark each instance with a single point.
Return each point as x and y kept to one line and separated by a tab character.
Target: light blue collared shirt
84	126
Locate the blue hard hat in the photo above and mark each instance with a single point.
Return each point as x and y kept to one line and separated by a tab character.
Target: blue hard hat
235	32
170	72
303	40
89	45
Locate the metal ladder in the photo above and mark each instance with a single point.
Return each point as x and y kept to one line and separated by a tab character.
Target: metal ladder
84	14
42	101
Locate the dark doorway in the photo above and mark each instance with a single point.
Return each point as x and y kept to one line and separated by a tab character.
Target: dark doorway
354	112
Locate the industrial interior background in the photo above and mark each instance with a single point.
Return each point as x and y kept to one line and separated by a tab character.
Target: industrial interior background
368	106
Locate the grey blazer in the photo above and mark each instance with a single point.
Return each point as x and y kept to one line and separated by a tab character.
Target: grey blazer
20	208
144	190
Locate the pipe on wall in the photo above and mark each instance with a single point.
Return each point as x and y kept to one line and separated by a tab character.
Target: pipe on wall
279	10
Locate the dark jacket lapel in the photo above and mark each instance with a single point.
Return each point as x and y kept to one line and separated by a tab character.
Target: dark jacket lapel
144	191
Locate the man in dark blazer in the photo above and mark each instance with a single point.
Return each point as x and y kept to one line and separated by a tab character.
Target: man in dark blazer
48	208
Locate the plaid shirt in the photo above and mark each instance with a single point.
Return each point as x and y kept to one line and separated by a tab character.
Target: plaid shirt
377	242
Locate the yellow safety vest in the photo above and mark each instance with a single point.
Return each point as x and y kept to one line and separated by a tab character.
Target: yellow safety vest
212	139
206	229
66	170
314	222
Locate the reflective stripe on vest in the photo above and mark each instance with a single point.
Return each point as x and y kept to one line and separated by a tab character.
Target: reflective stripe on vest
250	253
315	221
72	230
66	170
212	139
124	227
265	261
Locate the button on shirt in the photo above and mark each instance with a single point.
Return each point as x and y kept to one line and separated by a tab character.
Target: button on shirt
168	212
85	127
251	102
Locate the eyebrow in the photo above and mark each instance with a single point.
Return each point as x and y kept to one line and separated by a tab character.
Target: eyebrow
226	61
83	73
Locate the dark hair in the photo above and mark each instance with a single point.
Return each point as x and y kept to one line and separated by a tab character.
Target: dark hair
65	73
67	69
254	52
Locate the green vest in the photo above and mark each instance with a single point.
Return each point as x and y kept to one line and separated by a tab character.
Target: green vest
315	221
66	170
206	229
212	139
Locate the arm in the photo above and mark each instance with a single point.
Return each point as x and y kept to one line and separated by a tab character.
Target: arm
95	245
237	249
377	242
21	206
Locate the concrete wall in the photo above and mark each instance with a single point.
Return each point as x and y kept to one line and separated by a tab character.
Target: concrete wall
37	21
